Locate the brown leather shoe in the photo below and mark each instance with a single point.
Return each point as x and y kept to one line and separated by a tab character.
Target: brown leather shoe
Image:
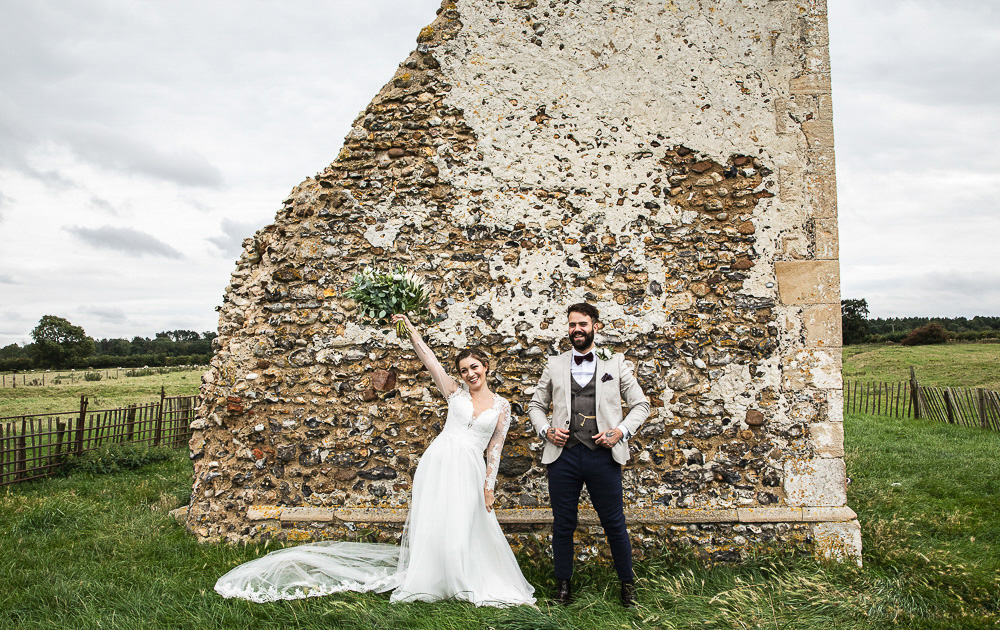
628	594
564	593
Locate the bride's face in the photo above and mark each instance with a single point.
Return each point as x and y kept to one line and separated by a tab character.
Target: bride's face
473	372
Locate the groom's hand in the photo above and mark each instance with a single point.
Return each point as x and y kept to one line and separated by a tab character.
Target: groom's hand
608	438
557	436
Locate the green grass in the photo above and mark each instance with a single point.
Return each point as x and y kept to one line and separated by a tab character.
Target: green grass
108	393
945	365
100	551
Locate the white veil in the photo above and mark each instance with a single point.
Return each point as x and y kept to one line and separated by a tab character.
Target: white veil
316	569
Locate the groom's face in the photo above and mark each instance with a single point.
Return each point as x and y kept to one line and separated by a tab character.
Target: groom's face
581	331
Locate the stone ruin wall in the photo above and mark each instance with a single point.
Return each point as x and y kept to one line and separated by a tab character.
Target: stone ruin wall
670	161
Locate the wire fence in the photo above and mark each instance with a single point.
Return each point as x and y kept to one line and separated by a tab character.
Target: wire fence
35	446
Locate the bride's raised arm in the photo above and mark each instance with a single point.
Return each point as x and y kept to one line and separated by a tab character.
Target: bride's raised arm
445	383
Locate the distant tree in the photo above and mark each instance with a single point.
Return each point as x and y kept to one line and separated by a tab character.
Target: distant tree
854	317
182	336
11	351
58	342
931	333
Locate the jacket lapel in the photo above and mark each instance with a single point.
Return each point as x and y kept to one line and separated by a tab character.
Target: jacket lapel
564	371
599	368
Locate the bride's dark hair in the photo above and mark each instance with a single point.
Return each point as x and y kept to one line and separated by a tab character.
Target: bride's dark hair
475	353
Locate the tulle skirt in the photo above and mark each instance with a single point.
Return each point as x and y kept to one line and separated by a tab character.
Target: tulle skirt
451	548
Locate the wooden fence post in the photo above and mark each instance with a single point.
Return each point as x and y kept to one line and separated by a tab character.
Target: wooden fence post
80	421
947	405
60	436
130	414
984	422
915	393
21	453
158	431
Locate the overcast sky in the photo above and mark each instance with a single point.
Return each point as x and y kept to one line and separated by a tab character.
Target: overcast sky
140	142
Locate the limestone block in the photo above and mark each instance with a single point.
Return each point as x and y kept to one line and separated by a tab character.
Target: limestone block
306	514
821	190
790	182
810	84
827	239
794	246
838	541
770	515
828	515
808	282
812	367
371	515
824	105
782	122
834	408
828	438
816	482
819	133
823	325
264	512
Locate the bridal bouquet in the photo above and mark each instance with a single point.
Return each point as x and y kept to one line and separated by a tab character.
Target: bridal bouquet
382	294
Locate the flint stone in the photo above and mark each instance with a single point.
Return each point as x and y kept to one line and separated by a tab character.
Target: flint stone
383	380
755	418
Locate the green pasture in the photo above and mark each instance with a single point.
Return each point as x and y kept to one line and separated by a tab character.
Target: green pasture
943	365
100	551
115	389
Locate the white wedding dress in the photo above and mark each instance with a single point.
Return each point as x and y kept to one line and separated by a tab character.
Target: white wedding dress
452	546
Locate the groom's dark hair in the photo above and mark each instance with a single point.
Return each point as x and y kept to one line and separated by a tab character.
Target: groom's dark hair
584	309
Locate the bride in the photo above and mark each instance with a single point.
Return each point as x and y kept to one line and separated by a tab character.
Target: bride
452	546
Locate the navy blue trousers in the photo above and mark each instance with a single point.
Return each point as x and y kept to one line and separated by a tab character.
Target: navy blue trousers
603	475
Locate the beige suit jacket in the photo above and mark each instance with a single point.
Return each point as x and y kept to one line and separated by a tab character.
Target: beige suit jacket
615	384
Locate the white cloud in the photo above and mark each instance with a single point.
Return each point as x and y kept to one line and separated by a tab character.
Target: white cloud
916	126
184	122
125	240
233	233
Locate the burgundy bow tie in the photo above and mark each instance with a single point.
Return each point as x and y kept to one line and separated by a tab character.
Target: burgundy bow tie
580	358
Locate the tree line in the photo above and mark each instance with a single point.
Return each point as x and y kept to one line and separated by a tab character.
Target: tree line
859	328
58	344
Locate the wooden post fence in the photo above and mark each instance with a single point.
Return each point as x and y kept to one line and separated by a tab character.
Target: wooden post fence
158	431
80	422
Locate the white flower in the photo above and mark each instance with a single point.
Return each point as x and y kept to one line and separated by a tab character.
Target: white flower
603	354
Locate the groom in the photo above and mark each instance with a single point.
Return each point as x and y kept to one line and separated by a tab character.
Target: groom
585	443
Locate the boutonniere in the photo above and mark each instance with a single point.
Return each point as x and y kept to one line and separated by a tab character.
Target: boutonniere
606	378
603	354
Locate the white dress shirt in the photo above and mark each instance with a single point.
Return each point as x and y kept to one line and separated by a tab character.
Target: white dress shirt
582	372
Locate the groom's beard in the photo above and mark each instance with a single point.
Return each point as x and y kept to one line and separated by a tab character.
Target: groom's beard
582	341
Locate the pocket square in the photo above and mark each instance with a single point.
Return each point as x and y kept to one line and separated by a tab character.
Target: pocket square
606	378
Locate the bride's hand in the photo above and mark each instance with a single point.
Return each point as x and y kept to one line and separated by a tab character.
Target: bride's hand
489	499
406	320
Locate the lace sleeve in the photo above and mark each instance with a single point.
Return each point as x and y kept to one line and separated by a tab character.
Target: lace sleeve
445	383
495	447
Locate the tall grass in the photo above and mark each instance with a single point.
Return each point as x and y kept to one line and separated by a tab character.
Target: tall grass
100	551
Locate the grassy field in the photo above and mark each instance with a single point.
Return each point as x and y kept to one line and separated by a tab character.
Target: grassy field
101	552
108	393
91	551
945	365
